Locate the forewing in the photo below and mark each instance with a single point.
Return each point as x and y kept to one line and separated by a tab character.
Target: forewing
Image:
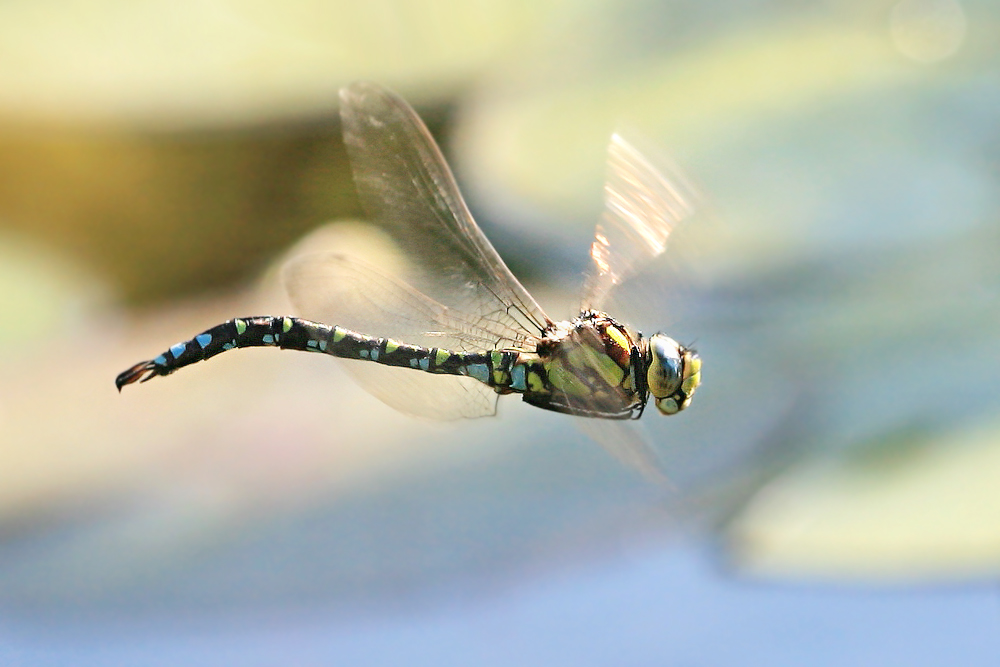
344	291
407	188
643	204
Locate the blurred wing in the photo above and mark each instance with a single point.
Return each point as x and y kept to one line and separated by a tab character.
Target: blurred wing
407	188
443	397
340	290
623	441
642	207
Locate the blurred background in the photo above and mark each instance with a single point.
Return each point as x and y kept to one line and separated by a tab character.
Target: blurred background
835	491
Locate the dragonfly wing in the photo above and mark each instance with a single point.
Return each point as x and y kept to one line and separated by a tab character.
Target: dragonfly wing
406	187
643	204
341	290
442	397
623	441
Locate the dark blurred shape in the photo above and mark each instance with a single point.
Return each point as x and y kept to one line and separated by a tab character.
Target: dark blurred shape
164	213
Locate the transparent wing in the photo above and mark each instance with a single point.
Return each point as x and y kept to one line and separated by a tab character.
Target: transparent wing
407	188
643	204
341	290
442	397
623	441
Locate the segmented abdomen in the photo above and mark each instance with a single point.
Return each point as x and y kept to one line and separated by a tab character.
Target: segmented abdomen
292	333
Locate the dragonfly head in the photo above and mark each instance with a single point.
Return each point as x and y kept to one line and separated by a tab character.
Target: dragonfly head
673	372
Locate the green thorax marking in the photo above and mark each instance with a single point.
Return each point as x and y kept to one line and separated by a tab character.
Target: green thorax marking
589	362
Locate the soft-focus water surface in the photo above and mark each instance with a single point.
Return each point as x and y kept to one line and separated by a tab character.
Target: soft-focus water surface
841	285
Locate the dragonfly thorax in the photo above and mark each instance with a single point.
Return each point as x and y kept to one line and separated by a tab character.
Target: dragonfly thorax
592	366
673	372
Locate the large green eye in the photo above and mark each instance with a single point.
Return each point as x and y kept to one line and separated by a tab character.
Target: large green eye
664	373
674	373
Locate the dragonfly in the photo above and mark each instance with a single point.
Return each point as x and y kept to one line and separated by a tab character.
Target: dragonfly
462	323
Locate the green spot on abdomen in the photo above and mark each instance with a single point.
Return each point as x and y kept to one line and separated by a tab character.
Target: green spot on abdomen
499	376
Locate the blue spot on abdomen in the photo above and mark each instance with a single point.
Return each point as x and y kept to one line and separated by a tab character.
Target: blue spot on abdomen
478	371
517	381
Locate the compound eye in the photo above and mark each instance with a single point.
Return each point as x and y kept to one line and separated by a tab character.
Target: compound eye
667	406
664	373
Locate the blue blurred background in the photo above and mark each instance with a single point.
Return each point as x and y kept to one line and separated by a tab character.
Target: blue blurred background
834	497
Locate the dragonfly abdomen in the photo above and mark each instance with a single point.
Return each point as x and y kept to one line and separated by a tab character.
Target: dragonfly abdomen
496	368
265	331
